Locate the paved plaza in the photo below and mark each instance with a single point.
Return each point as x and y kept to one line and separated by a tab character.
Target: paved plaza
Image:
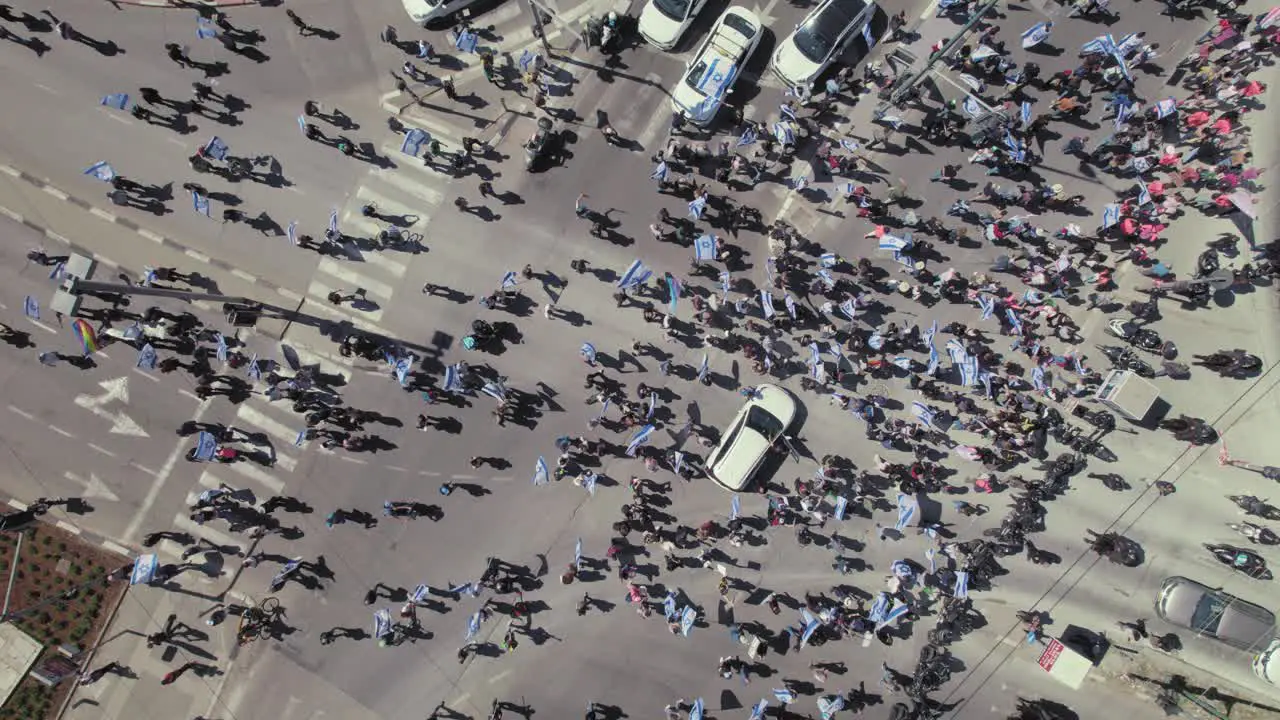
117	435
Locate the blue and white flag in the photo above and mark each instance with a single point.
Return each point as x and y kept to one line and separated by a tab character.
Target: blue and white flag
702	369
255	370
697	207
302	124
899	609
933	361
724	285
757	710
577	555
695	712
653	406
291	232
971	106
961	589
735	508
509	280
829	260
300	438
473	625
705	248
930	555
784	695
144	569
540	474
405	363
1098	45
815	354
206	446
413	140
659	173
424	50
1014	323
669	605
101	170
969	371
748	137
466	41
420	594
495	390
1036	34
790	302
987	304
1123	113
907	507
589	482
1037	378
452	379
827	279
829	705
809	629
956	351
205	29
116	100
893	242
677	461
1165	108
222	347
849	309
333	220
783	133
923	413
58	272
588	352
876	341
641	437
1026	113
31	307
842	505
688	617
879	607
1110	215
766	303
147	357
903	362
673	292
787	111
635	274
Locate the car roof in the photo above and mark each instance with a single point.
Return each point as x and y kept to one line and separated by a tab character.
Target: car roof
837	14
735	460
1242	623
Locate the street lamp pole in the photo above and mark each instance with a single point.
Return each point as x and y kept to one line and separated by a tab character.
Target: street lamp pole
900	92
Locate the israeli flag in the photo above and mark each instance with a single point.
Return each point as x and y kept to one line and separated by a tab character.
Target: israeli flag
787	111
452	382
971	106
677	461
116	100
589	483
702	369
412	143
956	351
473	625
766	303
604	408
466	41
222	347
1026	113
879	607
147	357
933	361
834	348
1036	34
540	473
735	508
695	713
206	446
809	629
255	371
381	623
1014	323
641	436
31	307
961	589
697	207
930	555
144	569
1011	143
1123	113
526	57
923	413
424	50
903	362
783	133
969	371
893	242
588	352
1080	369
906	511
757	710
301	438
635	274
333	220
577	555
815	354
748	137
830	704
705	248
1144	195
1110	215
876	341
669	605
899	609
847	307
1037	378
101	170
404	364
790	302
1098	45
653	406
58	271
302	124
1165	108
688	617
784	696
987	304
292	232
205	29
673	292
724	285
827	279
420	594
659	173
509	280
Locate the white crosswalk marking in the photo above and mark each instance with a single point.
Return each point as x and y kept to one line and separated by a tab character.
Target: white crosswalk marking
217	537
283	434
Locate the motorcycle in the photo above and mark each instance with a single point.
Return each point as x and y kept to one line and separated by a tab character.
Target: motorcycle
400	509
539	144
1230	364
1139	337
1256	533
1125	358
1115	547
1207	263
1253	506
1240	559
1100	419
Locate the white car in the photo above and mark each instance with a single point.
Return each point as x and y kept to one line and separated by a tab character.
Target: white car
821	38
717	64
662	22
425	12
755	430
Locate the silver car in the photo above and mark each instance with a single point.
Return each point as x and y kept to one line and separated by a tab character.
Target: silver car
1214	613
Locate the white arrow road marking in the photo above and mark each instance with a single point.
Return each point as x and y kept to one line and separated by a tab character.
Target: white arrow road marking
93	487
114	390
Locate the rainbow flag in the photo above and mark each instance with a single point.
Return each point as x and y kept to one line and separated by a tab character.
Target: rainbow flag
88	338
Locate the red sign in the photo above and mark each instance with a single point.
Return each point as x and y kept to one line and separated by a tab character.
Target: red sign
1050	654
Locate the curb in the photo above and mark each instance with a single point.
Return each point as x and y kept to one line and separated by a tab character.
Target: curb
111	619
187	4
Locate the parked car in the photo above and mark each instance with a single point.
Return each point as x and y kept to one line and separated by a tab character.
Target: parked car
709	77
1214	613
662	22
755	430
427	12
1266	664
823	36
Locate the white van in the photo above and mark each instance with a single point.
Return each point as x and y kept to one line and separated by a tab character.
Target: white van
1266	664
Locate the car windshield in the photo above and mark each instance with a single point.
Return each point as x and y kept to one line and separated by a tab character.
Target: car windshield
817	38
763	422
740	24
677	10
1208	613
